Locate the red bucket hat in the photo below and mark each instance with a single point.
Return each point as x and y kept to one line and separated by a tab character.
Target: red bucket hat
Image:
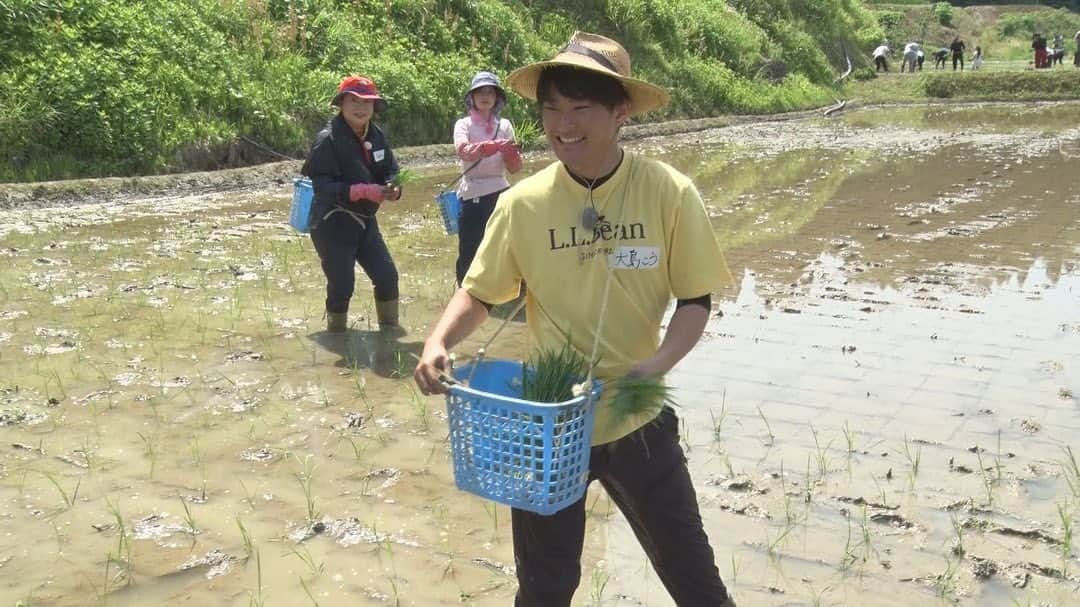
361	88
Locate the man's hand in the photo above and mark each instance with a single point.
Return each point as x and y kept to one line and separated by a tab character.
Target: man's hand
434	363
392	192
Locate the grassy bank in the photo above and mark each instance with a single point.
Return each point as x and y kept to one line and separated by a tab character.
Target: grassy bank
115	87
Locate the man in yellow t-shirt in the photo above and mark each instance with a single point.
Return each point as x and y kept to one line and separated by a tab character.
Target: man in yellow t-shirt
604	239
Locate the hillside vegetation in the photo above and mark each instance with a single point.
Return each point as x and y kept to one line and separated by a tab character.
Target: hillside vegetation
122	87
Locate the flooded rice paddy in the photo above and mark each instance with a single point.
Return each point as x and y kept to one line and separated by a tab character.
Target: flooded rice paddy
885	409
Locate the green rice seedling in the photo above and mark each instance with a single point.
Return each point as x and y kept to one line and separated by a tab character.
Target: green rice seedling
600	579
849	438
151	452
420	405
735	563
1071	471
314	569
718	420
945	582
987	480
189	520
307	591
492	511
551	375
867	538
684	434
69	498
358	448
821	454
248	496
958	535
123	556
306	478
914	456
1066	532
245	538
768	428
255	599
848	559
634	396
196	456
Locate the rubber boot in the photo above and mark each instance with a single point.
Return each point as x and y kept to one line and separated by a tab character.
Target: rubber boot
387	313
337	322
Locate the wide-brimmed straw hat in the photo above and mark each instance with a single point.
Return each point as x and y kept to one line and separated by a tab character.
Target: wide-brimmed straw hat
597	54
362	88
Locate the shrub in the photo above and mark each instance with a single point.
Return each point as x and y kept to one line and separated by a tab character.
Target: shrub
943	12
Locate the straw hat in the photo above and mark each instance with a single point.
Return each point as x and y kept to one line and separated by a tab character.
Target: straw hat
598	54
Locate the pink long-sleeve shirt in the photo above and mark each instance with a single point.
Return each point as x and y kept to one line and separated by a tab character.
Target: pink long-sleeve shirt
490	175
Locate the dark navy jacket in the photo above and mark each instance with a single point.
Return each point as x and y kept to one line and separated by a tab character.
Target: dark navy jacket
338	160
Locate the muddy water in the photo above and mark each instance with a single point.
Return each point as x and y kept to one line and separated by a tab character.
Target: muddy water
881	416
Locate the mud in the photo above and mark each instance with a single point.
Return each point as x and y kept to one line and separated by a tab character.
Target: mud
881	412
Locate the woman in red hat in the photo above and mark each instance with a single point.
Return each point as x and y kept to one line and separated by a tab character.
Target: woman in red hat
352	170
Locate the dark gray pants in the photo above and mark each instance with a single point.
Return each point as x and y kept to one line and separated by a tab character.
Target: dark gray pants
645	474
474	216
342	243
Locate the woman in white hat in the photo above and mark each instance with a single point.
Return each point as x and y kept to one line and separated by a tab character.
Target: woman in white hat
485	144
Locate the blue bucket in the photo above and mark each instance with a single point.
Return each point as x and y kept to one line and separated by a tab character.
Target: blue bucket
527	455
300	213
450	209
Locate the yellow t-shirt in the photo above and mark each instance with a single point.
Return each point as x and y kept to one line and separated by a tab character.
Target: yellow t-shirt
654	233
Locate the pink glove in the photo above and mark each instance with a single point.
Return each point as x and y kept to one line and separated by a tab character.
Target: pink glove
489	148
366	191
511	154
508	145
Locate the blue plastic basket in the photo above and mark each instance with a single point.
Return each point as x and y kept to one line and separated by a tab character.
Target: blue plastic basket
450	209
300	213
532	456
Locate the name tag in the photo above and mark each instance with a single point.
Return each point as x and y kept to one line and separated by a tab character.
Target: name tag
634	258
379	155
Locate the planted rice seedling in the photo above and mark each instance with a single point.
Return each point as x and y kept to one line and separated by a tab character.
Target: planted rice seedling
768	428
302	552
69	498
245	538
1071	471
1066	533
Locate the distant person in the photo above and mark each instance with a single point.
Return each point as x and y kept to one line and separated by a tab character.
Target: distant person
880	54
957	48
920	57
911	57
485	144
977	58
939	58
1076	56
1038	44
352	170
1057	56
